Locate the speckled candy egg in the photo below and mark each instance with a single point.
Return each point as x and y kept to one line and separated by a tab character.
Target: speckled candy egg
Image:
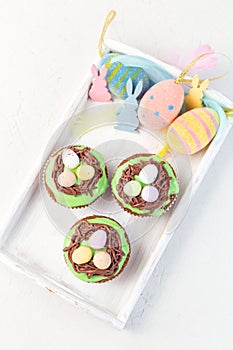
161	104
70	158
193	130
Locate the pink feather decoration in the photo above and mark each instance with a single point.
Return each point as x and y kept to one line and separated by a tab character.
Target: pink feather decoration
207	62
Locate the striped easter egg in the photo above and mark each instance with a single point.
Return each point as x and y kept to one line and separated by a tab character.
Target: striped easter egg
193	130
118	75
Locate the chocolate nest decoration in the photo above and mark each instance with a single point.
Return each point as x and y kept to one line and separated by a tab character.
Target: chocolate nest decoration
83	231
86	187
162	183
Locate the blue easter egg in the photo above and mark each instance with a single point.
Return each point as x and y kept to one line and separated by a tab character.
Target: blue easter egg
118	75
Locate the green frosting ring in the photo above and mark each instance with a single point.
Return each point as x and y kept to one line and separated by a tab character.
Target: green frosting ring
82	200
173	189
124	246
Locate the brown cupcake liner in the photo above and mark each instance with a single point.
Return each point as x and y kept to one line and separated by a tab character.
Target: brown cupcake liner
126	260
166	208
51	194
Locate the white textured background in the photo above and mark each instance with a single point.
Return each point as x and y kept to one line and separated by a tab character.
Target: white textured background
46	48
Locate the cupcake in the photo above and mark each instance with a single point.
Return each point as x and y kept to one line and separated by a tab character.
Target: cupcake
145	185
96	249
75	176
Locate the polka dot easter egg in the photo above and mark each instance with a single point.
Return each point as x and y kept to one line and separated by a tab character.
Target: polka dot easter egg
193	130
161	104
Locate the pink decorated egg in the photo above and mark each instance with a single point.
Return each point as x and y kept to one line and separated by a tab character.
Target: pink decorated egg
161	104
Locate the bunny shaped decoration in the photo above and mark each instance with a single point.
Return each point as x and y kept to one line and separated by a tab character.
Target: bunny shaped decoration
98	91
194	98
128	118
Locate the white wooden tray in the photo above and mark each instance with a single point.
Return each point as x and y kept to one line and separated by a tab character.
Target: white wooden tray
31	240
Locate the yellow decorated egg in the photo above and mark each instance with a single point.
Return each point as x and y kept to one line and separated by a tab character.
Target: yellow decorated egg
193	130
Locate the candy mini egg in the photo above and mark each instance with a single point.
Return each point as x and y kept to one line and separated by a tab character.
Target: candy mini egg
66	179
98	239
148	174
150	194
82	255
85	172
132	188
70	158
102	260
161	104
193	130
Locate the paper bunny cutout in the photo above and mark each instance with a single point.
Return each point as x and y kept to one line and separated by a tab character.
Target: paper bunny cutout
98	91
128	118
194	97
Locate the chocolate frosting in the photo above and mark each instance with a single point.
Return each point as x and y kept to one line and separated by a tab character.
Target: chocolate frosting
86	186
84	231
162	183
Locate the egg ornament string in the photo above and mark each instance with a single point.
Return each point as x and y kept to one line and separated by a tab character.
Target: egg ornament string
98	90
192	119
116	73
228	112
121	68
